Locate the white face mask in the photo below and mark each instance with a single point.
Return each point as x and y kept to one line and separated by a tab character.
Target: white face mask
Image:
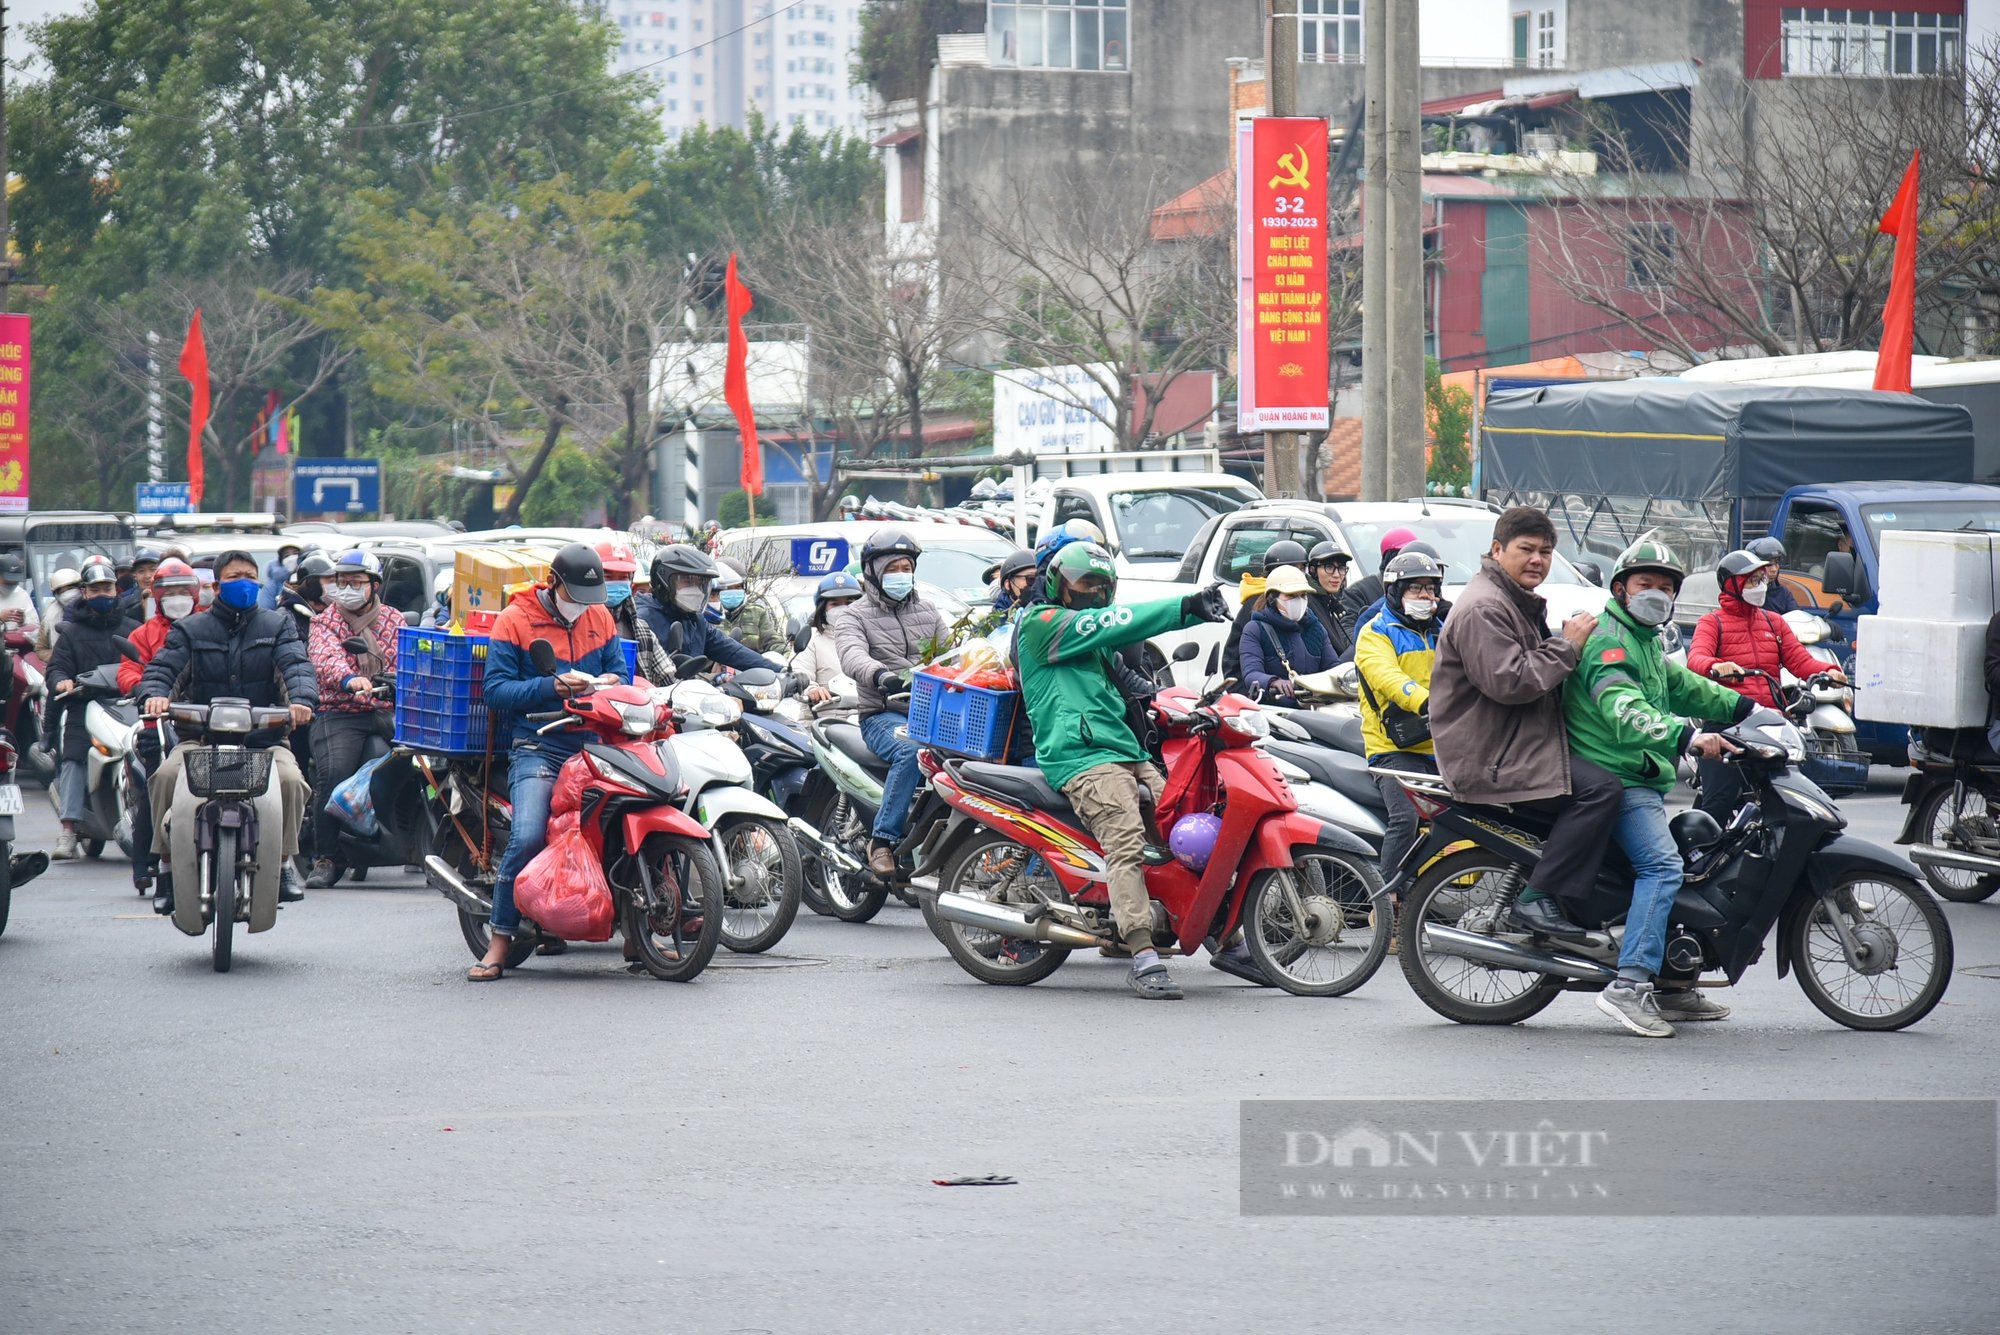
1419	609
67	597
353	599
176	606
1755	597
570	611
1292	608
691	599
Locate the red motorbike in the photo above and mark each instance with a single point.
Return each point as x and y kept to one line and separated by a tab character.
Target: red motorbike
1022	882
656	858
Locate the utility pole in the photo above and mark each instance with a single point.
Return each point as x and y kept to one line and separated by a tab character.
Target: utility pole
1408	429
6	232
1375	251
1281	98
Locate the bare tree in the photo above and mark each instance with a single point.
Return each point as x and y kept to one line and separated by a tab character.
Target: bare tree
1071	273
92	411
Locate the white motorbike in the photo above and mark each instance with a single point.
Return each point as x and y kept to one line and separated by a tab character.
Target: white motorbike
111	790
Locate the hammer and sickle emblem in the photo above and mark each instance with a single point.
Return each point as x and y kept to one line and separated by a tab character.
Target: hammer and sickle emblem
1291	170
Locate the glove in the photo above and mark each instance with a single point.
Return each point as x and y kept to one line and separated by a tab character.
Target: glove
1207	604
888	681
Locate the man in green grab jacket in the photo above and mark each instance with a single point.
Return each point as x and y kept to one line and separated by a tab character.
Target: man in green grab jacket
1082	742
1627	708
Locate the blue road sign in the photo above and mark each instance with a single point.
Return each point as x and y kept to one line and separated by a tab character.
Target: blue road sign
819	556
334	486
163	498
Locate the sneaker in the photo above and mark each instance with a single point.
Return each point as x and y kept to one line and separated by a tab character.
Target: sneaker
1633	1005
1687	1003
1154	983
289	889
65	847
325	875
1019	950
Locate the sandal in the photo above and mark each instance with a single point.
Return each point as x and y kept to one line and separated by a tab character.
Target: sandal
483	972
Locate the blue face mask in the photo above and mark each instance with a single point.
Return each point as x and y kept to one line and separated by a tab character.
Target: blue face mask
899	586
105	602
732	599
713	614
616	592
240	594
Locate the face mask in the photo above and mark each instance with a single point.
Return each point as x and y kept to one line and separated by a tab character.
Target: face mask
353	599
67	598
206	595
732	599
240	594
690	599
176	606
103	602
1419	609
1652	607
899	586
568	610
712	615
1292	608
616	592
290	564
1756	596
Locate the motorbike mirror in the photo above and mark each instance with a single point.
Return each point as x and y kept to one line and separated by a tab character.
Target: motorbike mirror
543	655
676	637
357	646
755	677
126	649
1591	571
691	666
799	631
1187	653
1214	660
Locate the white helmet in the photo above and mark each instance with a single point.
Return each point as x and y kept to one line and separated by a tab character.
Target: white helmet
64	579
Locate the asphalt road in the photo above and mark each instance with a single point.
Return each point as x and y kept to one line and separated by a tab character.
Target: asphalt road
343	1134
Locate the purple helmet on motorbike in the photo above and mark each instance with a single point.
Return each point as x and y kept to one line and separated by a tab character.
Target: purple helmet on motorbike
1193	839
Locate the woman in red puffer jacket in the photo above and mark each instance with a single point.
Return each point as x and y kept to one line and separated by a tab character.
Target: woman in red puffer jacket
1738	638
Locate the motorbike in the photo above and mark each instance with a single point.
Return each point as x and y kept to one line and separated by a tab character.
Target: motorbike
1954	818
842	795
1871	947
657	859
394	789
111	796
1023	883
222	832
26	695
775	741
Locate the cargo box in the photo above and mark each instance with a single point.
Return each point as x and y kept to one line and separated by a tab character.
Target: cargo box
485	578
1928	673
1938	576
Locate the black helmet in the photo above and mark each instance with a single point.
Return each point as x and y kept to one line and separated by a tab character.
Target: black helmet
883	545
678	559
1284	552
1769	548
1738	564
1329	553
314	565
1016	562
580	571
96	570
146	556
1408	565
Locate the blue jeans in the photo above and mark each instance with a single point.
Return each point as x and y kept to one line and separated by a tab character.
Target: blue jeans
72	789
900	788
1657	875
531	782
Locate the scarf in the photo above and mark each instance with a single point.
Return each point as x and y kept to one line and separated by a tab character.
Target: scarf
366	665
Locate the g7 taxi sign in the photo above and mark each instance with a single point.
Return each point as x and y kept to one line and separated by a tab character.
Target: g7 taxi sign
819	556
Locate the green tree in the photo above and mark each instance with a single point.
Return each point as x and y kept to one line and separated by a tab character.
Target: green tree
572	485
1448	412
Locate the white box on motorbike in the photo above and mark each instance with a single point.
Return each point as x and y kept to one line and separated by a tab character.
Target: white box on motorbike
1939	576
1929	673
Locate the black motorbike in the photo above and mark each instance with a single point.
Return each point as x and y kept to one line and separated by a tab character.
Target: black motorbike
397	790
781	759
1871	947
1954	820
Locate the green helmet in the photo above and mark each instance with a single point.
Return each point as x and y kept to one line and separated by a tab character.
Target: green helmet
1649	554
1075	563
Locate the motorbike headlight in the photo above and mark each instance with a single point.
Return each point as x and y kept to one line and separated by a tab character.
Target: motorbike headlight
1250	722
638	719
228	718
719	711
767	697
1786	738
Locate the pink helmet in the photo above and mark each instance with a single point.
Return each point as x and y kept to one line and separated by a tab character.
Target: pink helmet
1193	839
1396	539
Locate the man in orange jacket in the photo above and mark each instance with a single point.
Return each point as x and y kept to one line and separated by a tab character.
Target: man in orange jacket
175	588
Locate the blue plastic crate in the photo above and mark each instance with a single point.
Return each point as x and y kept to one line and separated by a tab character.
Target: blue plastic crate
631	658
966	720
440	704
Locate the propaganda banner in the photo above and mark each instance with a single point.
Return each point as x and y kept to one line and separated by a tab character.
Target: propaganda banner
14	375
1281	269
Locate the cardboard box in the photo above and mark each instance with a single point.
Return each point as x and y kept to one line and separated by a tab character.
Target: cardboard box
1939	576
485	579
1928	673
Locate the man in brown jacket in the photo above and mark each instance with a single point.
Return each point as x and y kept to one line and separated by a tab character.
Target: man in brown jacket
1497	717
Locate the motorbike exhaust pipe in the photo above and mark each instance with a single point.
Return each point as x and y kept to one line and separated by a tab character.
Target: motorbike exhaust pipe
831	851
447	883
1491	950
1925	855
969	912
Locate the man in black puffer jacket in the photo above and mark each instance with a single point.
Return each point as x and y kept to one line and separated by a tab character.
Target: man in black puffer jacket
234	650
87	643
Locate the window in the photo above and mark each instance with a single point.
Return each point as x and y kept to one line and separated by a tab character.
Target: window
1074	505
1330	32
1243	550
1089	35
910	159
1545	39
1649	254
1811	531
1871	43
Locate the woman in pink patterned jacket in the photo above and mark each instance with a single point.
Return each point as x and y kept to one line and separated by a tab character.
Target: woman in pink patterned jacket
348	716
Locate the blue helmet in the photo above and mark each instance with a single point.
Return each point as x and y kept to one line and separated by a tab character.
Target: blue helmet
839	584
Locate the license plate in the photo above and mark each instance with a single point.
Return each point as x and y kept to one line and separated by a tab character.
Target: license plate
10	799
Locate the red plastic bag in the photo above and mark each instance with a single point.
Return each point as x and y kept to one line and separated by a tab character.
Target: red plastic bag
563	889
571	780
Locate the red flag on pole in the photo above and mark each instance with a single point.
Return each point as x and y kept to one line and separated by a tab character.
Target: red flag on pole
736	381
194	365
1899	313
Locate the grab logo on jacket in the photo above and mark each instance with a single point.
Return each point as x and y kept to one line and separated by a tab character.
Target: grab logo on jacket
1635	715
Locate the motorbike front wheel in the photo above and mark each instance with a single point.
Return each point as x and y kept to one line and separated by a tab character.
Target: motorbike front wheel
850	896
1952	817
687	894
222	873
993	867
762	899
1907	960
1338	937
1459	891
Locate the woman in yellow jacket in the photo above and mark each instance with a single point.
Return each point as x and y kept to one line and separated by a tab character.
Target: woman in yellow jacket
1394	652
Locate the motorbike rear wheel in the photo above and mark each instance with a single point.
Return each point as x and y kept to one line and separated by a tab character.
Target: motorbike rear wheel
1346	934
1460	989
687	884
222	870
1907	932
993	867
476	930
763	854
1943	822
6	882
849	896
93	848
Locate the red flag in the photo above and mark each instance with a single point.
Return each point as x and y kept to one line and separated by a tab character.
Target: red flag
736	381
1899	313
194	365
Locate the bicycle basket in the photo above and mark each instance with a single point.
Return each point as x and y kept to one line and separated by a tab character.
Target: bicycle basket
226	771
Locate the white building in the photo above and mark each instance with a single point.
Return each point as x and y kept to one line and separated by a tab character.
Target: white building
714	61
